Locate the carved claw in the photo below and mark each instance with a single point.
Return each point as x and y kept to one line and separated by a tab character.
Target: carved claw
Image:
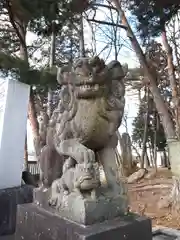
53	200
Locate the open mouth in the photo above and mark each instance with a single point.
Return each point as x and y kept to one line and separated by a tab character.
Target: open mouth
89	87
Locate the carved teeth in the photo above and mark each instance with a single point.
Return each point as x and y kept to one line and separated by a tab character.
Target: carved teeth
96	87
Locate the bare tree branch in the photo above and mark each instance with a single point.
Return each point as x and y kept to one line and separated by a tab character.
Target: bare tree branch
107	23
12	20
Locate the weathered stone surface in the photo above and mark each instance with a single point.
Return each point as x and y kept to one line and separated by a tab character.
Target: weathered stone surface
9	198
42	225
164	202
162	233
84	211
41	196
136	176
82	129
82	135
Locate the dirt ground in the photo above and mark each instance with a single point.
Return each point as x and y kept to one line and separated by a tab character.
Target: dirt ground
145	195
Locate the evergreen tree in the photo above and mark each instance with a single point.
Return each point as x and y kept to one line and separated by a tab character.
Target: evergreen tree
139	124
20	16
152	15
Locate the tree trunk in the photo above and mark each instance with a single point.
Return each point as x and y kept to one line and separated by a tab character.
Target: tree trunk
119	160
81	38
147	161
146	120
174	146
151	154
155	140
34	124
164	162
26	168
51	64
172	80
160	104
161	108
20	28
24	56
126	153
138	155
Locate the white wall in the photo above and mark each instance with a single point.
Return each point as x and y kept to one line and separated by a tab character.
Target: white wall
13	133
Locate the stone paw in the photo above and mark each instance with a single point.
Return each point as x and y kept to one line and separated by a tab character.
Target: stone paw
53	201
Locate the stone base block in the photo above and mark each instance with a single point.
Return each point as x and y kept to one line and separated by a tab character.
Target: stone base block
9	199
34	223
84	211
88	211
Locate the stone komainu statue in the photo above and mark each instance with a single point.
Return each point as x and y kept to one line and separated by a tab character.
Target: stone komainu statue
82	130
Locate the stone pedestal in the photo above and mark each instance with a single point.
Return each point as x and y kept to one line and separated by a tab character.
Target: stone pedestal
34	223
14	98
83	210
9	199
